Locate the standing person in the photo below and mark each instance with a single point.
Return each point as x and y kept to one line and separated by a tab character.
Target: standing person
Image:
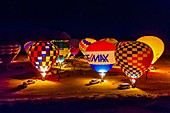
146	73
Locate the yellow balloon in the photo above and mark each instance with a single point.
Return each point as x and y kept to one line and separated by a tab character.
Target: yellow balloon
155	43
111	40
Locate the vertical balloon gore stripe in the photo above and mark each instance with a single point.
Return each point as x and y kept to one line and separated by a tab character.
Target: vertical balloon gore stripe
84	43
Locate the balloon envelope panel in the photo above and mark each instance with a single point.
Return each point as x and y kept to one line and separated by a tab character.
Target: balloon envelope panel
74	46
64	49
74	51
84	43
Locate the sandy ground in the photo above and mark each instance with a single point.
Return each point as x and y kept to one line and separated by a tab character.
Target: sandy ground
77	84
75	88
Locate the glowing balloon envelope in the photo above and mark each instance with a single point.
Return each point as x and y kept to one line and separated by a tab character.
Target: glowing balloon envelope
134	58
74	46
111	40
8	51
100	56
27	45
42	55
64	49
155	43
84	43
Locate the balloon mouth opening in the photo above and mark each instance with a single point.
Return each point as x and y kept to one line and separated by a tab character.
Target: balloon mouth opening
43	76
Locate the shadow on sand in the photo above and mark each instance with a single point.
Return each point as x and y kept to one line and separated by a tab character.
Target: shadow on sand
27	75
18	88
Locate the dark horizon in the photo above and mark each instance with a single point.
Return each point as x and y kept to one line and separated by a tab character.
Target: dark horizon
122	20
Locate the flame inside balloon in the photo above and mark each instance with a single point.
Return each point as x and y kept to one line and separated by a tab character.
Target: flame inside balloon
27	45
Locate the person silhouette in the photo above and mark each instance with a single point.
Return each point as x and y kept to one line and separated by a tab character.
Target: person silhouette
146	73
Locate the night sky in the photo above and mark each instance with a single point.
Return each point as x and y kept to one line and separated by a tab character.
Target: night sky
120	19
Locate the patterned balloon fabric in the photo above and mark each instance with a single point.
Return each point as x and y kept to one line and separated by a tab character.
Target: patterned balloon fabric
84	43
64	49
27	45
42	55
117	44
134	58
74	51
74	46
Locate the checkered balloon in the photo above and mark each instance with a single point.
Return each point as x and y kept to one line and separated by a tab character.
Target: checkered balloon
134	58
64	49
117	44
42	55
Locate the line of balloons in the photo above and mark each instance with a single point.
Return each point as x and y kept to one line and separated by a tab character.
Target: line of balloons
133	57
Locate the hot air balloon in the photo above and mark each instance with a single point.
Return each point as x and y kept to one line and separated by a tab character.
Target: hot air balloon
27	45
64	36
155	43
64	49
134	58
8	51
42	55
100	56
74	46
84	43
111	40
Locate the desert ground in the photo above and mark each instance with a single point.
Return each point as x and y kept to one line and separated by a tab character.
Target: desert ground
73	89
